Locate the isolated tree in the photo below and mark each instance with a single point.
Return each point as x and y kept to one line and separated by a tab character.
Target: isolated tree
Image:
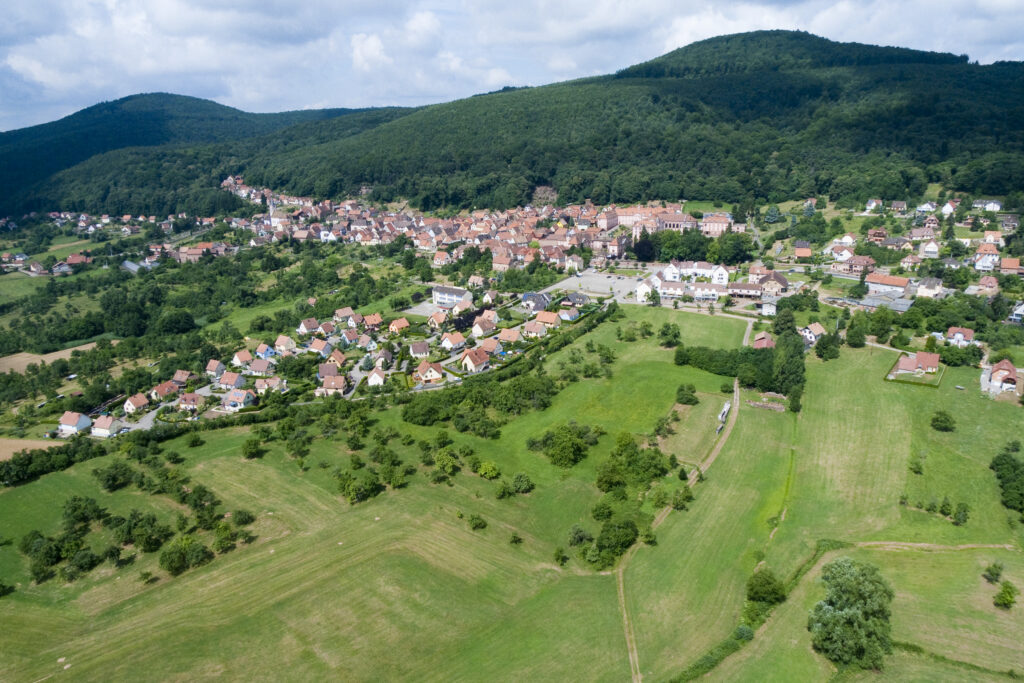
942	421
578	536
488	470
1007	595
251	449
851	625
686	395
522	483
855	337
993	572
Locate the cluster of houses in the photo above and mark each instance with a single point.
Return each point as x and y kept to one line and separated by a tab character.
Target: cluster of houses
708	283
924	242
127	225
515	238
947	209
19	261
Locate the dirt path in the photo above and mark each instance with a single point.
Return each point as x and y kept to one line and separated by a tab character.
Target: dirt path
881	346
627	623
898	545
634	656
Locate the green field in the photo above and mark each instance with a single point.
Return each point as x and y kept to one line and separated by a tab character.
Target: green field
399	587
16	285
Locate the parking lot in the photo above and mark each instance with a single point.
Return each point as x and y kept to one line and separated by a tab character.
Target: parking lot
591	283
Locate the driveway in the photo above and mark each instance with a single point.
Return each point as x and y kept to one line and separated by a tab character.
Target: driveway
424	308
144	422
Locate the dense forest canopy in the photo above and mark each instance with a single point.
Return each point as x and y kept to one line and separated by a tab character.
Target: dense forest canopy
763	116
35	153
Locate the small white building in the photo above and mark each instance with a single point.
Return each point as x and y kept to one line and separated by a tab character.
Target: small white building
105	426
72	423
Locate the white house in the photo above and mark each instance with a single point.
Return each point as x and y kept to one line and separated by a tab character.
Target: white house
719	275
643	290
105	426
930	249
236	399
671	272
447	297
452	340
707	291
214	368
960	336
135	403
813	332
987	257
72	423
376	378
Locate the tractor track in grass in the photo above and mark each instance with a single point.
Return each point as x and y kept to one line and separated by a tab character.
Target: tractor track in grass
694	478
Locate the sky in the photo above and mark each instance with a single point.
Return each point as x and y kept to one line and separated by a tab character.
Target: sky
59	56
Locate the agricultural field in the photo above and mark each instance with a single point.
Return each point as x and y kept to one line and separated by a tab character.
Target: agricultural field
16	285
19	361
400	586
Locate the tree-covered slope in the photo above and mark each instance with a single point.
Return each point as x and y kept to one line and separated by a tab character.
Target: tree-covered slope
776	51
761	116
156	178
32	154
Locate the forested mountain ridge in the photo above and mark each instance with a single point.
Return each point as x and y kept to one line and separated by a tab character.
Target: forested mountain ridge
753	117
776	51
156	154
34	153
761	116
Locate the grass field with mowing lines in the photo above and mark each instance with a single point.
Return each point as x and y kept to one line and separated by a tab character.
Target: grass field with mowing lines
695	431
687	593
853	443
941	604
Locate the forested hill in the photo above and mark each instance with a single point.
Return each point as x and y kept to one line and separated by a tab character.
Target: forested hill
776	51
761	116
31	154
153	153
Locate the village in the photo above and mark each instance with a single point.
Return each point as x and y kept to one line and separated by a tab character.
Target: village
472	328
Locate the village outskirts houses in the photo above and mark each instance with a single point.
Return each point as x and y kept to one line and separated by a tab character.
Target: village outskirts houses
918	364
135	403
105	426
812	333
72	423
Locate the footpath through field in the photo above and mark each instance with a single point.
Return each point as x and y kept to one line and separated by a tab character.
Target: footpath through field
695	475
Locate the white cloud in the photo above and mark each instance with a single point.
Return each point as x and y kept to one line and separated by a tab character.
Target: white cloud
368	52
422	28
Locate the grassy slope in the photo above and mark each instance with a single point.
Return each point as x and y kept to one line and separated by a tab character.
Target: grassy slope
407	565
401	588
687	593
